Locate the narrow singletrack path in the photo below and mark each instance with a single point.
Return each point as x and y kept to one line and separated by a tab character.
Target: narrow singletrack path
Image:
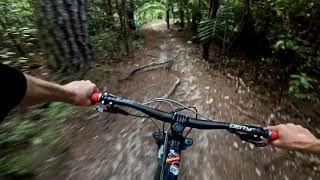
108	146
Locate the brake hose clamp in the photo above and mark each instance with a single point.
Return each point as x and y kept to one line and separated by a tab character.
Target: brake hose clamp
182	119
179	119
174	116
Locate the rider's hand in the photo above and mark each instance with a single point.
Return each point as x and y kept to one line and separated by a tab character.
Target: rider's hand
80	92
295	137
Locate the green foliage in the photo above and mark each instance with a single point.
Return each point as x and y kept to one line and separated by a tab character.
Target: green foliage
97	18
26	38
26	145
195	9
214	29
18	35
285	31
301	85
136	35
18	163
149	11
58	110
286	44
107	42
19	133
16	13
5	54
137	39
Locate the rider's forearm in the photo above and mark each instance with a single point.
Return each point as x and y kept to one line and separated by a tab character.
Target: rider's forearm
313	147
40	91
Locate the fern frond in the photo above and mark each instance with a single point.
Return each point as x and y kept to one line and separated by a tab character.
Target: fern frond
150	6
213	29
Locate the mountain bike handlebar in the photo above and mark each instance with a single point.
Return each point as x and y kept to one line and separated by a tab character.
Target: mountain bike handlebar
250	133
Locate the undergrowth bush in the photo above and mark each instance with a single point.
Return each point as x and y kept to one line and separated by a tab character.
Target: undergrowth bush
31	143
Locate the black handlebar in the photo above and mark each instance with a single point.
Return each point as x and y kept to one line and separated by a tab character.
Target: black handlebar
252	132
161	115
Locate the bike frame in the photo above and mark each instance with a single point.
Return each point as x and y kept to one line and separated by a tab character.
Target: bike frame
169	155
170	145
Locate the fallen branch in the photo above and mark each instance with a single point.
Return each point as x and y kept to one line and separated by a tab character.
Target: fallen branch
171	91
243	111
168	64
173	88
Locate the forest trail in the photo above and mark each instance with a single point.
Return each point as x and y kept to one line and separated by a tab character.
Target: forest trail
110	146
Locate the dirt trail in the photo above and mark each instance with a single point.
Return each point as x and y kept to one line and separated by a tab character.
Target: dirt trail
116	147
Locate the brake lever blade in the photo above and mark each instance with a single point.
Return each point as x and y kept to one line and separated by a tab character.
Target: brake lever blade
257	141
112	109
258	144
100	109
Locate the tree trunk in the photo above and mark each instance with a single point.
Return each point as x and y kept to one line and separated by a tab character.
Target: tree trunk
109	13
131	23
124	25
194	25
121	13
130	14
214	4
188	17
181	17
173	15
196	17
63	29
168	18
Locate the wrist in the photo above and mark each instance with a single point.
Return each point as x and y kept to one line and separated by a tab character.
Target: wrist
315	146
312	146
70	95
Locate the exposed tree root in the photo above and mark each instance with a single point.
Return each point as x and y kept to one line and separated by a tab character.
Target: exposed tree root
165	65
173	88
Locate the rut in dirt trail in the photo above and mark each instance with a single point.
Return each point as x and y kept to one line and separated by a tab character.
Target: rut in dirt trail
118	147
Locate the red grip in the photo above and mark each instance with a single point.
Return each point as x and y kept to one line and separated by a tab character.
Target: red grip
94	97
274	135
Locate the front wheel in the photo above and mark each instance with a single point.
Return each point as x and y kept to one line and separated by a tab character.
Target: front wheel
158	172
157	175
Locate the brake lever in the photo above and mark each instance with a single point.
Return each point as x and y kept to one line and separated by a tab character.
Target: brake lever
261	143
110	108
253	139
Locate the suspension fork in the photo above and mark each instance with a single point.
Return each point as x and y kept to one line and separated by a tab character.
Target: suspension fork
169	154
170	144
